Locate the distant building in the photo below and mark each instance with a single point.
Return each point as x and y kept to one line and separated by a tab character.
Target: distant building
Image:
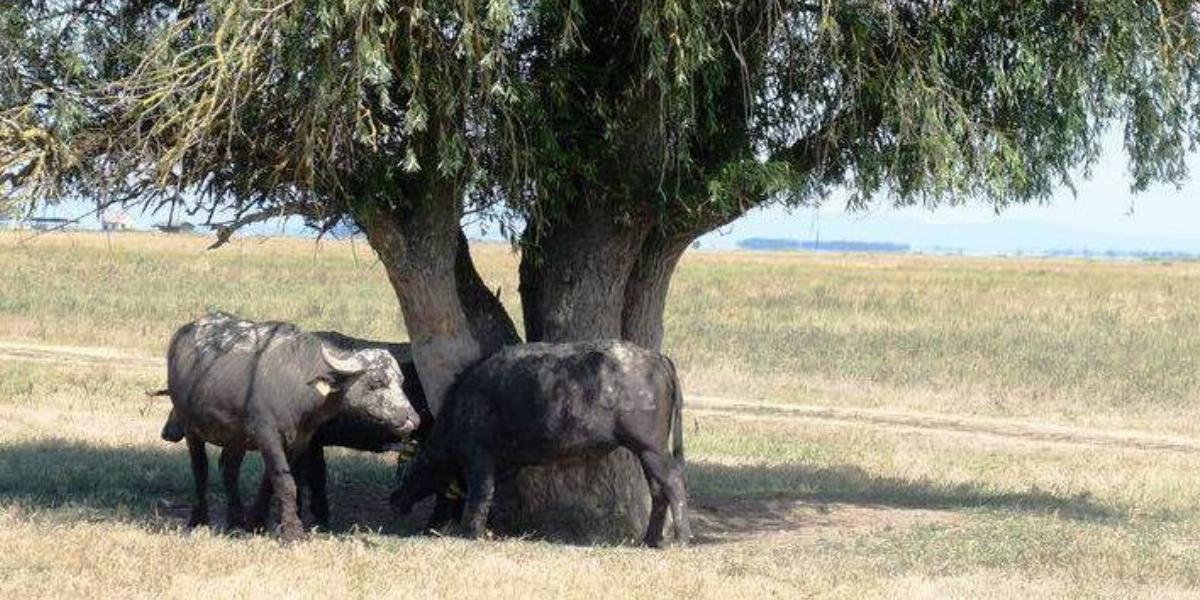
50	224
183	227
116	221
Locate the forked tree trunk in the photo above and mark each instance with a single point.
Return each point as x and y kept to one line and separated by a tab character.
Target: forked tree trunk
590	279
646	290
450	317
573	288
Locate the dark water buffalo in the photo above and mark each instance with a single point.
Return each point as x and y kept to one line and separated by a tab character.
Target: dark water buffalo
346	430
534	404
350	431
269	387
310	470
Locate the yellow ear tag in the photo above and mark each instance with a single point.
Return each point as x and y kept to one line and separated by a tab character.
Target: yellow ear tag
322	387
454	492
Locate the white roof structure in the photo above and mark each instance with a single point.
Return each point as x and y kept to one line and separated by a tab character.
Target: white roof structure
118	218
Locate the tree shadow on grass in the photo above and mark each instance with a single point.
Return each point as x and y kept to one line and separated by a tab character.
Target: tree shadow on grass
766	497
152	487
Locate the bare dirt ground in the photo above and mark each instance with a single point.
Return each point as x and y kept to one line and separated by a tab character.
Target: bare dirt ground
69	355
990	429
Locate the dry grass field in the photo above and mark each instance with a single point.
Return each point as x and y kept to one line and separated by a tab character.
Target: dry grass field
857	426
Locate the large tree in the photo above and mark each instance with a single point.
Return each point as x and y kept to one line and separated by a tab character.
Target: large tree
603	136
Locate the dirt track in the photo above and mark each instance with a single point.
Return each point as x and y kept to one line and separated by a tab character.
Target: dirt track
997	429
994	429
70	355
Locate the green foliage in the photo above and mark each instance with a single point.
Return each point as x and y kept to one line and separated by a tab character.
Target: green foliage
261	103
691	110
936	102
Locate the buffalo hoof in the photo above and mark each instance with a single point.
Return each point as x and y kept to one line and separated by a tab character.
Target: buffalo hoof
396	499
290	535
235	523
480	534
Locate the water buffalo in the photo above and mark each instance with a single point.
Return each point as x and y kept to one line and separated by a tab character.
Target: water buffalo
538	403
269	387
346	430
310	470
350	431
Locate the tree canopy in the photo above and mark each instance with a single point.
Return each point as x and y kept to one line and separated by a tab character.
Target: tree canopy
603	136
695	109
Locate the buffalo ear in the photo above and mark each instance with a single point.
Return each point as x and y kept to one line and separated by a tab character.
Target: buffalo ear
323	386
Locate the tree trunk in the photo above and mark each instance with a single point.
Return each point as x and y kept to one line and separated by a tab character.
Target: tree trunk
648	284
573	277
489	322
646	290
573	288
589	278
420	246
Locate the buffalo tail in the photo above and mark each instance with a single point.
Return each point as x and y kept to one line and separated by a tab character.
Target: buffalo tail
676	414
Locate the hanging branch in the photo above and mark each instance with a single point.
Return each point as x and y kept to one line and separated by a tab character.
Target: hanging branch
226	230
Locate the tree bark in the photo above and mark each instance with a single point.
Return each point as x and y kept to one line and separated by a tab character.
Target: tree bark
573	288
647	287
489	322
573	277
419	245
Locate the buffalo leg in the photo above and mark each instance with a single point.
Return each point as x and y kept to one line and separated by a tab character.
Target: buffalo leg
276	467
658	510
262	505
446	510
315	473
481	484
231	467
299	470
667	476
199	460
677	495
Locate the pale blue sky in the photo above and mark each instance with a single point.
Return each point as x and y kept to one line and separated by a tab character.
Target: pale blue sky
1104	215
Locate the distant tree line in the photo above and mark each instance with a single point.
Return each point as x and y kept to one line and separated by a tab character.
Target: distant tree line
778	244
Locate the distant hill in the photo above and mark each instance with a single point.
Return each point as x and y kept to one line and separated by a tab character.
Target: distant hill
784	245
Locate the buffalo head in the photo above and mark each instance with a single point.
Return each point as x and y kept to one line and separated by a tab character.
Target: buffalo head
368	384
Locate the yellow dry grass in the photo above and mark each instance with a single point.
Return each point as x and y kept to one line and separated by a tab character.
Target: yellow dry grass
787	503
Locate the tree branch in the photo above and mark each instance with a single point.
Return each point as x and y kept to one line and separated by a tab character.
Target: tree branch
226	230
818	150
